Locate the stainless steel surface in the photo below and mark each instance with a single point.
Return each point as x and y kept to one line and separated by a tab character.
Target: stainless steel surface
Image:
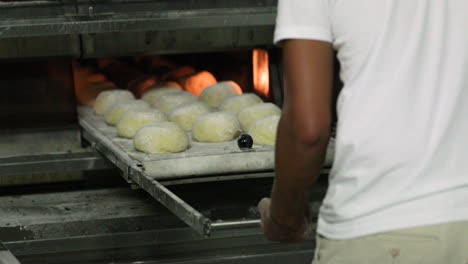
179	207
200	160
121	162
40	47
134	172
163	246
34	9
118	225
116	28
235	224
218	178
6	257
142	21
186	40
27	142
193	218
63	162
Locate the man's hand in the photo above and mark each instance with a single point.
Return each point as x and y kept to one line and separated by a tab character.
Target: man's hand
276	232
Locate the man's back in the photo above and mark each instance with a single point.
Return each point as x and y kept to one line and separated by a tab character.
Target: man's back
402	147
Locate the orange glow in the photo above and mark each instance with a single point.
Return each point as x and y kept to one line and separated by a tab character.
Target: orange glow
178	73
197	82
95	78
261	72
88	84
142	86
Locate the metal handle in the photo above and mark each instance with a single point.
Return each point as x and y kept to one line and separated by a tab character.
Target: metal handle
235	224
6	257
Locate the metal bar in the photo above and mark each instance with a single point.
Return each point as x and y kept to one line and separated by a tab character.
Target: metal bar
235	224
64	162
270	174
6	257
177	206
148	21
252	223
100	146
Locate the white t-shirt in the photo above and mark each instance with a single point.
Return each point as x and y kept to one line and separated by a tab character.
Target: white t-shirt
402	141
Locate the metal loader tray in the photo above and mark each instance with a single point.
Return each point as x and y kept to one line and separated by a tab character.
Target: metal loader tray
200	163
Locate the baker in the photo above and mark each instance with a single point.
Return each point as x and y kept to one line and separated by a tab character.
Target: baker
398	189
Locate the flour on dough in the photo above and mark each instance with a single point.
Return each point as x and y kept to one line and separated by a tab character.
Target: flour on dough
249	114
216	127
133	120
263	130
185	115
213	95
235	103
161	138
117	110
107	98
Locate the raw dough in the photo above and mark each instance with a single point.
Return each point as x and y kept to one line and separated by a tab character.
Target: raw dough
161	138
136	119
249	114
153	94
216	127
235	103
213	95
263	130
185	115
170	101
117	110
107	98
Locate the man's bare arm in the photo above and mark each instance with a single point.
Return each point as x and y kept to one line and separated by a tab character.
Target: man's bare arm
303	134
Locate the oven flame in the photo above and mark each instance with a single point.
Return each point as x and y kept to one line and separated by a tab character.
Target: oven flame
261	72
196	83
89	83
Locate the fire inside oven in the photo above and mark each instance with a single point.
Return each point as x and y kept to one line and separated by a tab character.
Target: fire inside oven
191	72
46	92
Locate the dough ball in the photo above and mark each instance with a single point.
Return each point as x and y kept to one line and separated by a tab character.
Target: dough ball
235	103
213	95
153	94
133	120
117	110
161	138
263	130
197	82
249	114
216	127
185	115
170	101
107	98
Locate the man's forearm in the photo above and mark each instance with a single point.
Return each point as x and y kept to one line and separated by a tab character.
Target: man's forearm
298	165
304	128
302	137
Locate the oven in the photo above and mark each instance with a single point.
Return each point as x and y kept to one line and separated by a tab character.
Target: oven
73	190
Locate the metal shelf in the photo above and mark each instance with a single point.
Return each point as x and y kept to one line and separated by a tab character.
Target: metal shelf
192	217
137	22
47	163
6	257
124	28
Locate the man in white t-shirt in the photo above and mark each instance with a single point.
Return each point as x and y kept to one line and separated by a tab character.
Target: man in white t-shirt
398	190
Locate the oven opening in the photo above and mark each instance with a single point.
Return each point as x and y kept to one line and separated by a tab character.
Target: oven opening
189	72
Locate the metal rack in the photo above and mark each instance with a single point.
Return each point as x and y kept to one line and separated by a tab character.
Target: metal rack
46	163
134	173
